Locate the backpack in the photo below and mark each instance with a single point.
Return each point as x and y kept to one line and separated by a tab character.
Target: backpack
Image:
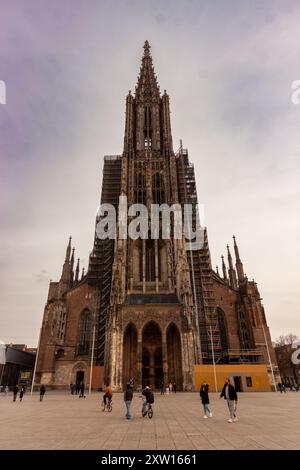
150	397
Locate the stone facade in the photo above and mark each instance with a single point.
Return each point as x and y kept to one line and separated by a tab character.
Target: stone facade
149	309
69	302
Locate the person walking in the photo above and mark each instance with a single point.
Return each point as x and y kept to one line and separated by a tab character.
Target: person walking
82	390
42	392
15	392
22	392
230	395
161	387
174	387
205	400
128	396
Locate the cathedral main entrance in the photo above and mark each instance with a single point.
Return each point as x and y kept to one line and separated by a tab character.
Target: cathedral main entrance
156	357
152	364
129	354
174	356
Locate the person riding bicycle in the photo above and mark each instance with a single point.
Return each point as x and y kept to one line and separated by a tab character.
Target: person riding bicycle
108	394
149	399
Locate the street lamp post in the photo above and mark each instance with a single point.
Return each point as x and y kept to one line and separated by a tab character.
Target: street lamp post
35	364
213	358
269	357
212	349
92	358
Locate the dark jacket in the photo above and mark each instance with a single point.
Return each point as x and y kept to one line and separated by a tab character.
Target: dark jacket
232	392
204	394
42	390
148	394
128	394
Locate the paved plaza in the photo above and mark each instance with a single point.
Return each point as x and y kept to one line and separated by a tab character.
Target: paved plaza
62	421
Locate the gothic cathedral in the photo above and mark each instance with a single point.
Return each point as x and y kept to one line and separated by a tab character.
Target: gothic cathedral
149	308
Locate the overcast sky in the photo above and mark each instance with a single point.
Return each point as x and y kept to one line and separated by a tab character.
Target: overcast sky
228	68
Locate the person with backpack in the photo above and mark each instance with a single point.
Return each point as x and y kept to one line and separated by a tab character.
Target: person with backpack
205	400
149	398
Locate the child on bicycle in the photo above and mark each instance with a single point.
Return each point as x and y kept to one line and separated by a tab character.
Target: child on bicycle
149	399
108	394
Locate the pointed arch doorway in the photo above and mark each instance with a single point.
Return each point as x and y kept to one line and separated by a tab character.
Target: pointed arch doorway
174	356
129	354
152	364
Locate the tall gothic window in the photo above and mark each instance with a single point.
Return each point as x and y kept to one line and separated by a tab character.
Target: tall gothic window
148	143
223	329
162	258
141	262
85	332
61	326
244	330
147	128
158	193
150	261
140	192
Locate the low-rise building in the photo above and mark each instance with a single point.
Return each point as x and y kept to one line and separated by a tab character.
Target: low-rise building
18	367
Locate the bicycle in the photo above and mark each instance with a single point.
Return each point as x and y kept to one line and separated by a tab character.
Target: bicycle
107	406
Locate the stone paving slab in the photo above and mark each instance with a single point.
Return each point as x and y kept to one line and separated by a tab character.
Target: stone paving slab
63	421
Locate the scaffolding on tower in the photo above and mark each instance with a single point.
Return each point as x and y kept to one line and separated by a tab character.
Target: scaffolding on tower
200	267
102	256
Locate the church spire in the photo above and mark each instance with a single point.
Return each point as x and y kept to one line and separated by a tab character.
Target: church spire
68	251
239	264
231	270
67	271
147	87
147	117
72	259
72	265
224	269
77	271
